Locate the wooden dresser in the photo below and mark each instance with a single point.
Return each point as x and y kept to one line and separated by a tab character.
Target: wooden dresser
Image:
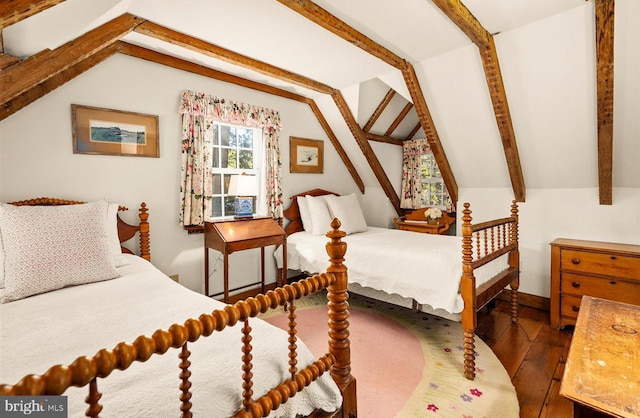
600	269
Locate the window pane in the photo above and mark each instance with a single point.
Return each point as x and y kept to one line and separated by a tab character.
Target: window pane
228	206
227	179
245	138
215	157
424	197
436	194
228	136
228	158
216	140
246	159
436	170
217	184
216	206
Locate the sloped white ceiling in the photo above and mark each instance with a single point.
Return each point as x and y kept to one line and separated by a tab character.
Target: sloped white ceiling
545	49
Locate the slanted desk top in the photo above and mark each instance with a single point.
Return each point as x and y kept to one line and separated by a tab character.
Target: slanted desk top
602	371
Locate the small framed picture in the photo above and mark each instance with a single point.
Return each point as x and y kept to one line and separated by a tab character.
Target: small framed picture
114	132
306	155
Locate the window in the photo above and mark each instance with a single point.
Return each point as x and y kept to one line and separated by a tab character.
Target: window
236	150
433	193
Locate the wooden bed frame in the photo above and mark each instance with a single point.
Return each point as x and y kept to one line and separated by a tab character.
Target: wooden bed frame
481	244
85	371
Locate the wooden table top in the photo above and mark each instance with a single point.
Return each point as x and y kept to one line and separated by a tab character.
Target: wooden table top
603	367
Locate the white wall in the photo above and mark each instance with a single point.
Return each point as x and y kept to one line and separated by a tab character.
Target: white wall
36	158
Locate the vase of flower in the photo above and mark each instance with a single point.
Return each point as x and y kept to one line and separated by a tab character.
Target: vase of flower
433	215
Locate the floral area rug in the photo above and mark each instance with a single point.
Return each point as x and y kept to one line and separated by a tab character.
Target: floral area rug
409	364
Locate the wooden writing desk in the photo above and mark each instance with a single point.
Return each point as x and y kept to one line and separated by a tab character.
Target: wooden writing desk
602	373
232	235
416	221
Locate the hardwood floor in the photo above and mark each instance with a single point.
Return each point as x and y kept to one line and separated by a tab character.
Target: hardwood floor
533	354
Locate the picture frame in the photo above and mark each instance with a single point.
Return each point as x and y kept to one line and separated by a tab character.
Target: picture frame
306	155
114	132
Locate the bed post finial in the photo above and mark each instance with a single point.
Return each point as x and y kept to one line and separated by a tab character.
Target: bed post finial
339	345
144	232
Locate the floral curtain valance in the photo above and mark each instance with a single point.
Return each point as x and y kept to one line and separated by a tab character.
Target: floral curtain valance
198	111
228	111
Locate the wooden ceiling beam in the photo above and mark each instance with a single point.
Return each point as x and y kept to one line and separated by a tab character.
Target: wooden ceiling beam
376	113
23	76
413	85
13	11
191	67
323	18
193	44
337	145
368	152
464	19
7	60
413	132
503	119
188	66
605	13
51	83
383	138
399	118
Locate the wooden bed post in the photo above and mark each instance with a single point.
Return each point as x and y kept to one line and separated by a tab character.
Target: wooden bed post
339	345
514	263
144	232
468	292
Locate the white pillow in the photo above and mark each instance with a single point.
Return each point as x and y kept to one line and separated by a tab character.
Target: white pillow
114	239
348	211
305	215
51	247
320	216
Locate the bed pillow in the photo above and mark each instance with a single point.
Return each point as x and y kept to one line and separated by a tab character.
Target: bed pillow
51	247
305	215
347	210
114	239
1	264
319	214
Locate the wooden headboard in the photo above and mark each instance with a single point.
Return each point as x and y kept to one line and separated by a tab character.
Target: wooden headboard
125	231
292	213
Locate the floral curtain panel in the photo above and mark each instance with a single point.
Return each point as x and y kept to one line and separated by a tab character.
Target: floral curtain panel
412	152
199	111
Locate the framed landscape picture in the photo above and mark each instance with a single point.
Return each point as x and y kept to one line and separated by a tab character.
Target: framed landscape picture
306	155
114	132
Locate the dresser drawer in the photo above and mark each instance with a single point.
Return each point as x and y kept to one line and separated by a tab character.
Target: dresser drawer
570	306
605	288
600	263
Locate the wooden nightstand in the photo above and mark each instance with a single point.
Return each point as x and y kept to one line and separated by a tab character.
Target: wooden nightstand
417	222
230	235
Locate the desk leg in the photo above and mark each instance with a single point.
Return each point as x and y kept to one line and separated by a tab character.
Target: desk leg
262	269
226	277
206	271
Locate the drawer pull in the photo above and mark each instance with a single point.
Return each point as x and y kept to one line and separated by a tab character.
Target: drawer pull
613	257
575	260
613	282
575	308
575	284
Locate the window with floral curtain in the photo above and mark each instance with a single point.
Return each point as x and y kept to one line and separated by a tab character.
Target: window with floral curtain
200	113
422	184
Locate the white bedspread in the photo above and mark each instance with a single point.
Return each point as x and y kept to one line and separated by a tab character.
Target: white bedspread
80	320
423	267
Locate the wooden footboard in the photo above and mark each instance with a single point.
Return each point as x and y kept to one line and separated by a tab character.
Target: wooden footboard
85	371
481	244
